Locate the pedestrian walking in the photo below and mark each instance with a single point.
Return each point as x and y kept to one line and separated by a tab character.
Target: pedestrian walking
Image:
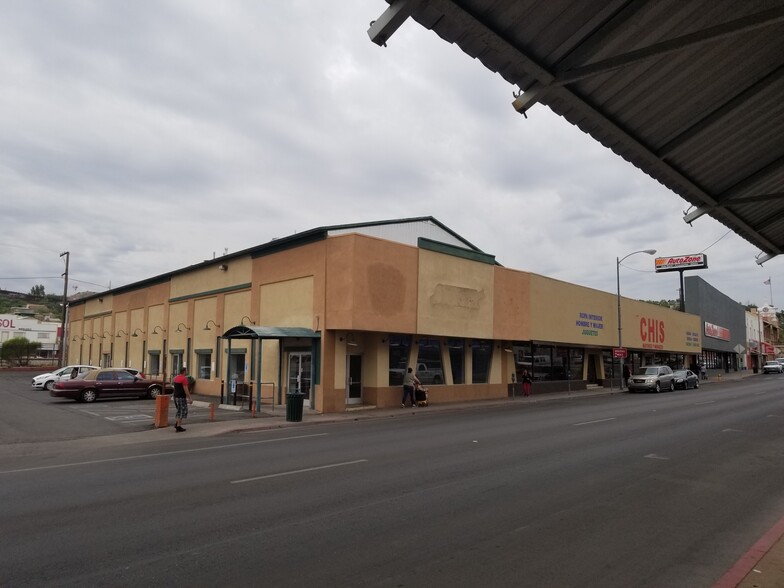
182	398
526	380
410	381
627	374
703	371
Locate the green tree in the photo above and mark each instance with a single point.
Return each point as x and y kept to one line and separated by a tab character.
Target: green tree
18	350
38	291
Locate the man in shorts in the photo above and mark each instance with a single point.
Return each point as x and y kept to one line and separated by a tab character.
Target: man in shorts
182	398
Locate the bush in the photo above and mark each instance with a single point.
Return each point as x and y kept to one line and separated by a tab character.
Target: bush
19	350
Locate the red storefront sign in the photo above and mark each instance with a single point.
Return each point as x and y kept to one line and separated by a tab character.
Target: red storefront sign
619	352
717	332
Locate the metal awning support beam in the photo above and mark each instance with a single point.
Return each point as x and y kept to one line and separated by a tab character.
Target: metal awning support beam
385	26
741	25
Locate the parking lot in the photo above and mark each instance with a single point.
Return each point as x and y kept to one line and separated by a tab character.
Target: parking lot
30	415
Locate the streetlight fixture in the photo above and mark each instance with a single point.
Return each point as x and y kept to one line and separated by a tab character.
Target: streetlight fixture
242	320
207	326
136	332
179	330
618	284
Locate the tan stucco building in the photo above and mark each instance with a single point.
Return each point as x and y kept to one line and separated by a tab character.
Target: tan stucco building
339	313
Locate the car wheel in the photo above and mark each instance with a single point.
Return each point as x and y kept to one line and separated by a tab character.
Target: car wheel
658	387
696	384
153	392
49	385
88	395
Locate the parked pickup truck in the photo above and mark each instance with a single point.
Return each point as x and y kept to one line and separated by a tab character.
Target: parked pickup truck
429	375
425	374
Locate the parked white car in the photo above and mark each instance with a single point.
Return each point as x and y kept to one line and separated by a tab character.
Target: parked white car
772	367
46	381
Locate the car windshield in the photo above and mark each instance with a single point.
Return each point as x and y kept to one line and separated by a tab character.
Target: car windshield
649	371
680	373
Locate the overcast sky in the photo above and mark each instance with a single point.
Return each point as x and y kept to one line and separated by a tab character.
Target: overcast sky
148	136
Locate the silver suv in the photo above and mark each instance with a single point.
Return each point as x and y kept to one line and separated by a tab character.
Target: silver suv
652	377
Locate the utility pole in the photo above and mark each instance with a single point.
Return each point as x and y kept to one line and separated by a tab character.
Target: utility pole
67	255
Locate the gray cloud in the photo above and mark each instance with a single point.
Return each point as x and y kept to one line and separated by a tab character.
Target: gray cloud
144	137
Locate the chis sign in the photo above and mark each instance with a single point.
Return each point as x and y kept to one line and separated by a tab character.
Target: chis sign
619	352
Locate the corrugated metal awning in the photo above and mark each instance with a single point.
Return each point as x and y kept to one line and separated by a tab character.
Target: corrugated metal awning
689	91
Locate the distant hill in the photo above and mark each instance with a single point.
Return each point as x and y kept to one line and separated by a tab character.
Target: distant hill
38	306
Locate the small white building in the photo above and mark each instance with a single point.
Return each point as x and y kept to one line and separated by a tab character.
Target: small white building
47	333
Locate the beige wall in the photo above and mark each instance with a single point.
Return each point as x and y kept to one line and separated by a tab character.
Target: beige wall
648	326
288	303
512	305
372	285
455	296
211	278
567	313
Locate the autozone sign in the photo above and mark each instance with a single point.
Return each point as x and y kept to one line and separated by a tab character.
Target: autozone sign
681	262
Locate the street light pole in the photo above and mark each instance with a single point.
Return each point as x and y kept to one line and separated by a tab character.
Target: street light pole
618	285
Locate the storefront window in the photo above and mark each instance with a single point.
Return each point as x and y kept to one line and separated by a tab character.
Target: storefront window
543	362
523	359
429	368
576	364
611	365
480	354
560	363
155	363
176	362
204	363
399	350
457	359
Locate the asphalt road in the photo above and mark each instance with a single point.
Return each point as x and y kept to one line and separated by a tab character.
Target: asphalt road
33	416
628	490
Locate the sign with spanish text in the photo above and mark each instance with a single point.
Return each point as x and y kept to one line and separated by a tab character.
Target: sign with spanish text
652	333
681	262
589	323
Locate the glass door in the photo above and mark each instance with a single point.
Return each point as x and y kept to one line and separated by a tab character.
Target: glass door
354	380
299	377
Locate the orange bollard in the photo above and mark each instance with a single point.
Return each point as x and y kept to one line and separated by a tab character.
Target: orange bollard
161	411
212	412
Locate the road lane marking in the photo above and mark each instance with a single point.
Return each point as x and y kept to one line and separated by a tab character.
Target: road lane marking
304	471
731	431
593	422
129	417
655	456
705	402
161	454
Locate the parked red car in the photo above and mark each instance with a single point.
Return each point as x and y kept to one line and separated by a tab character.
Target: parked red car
108	383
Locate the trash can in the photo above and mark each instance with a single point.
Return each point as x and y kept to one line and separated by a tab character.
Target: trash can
161	410
294	404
